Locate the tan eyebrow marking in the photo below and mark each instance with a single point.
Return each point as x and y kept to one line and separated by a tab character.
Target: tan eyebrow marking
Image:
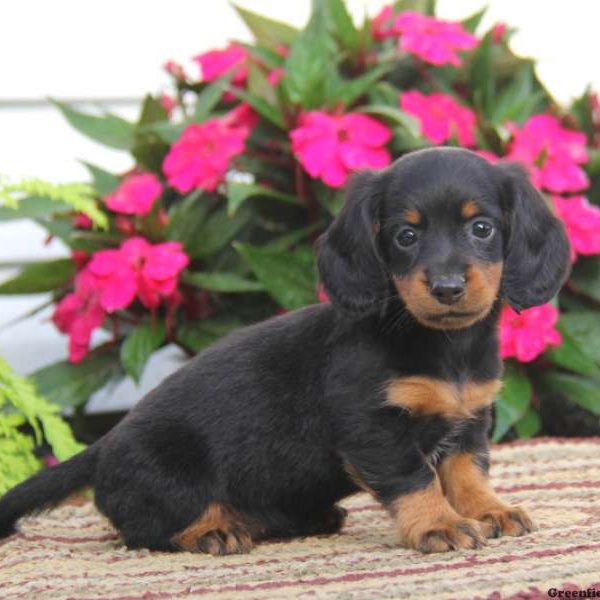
412	216
470	209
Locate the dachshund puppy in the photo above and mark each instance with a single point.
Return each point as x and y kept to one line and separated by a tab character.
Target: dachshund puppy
387	389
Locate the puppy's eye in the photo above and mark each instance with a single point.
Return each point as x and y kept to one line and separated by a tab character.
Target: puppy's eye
482	229
407	237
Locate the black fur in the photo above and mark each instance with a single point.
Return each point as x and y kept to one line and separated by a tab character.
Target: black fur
537	244
267	420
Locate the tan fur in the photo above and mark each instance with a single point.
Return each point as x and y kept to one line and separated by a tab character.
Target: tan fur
412	216
426	521
468	490
483	284
469	209
482	287
429	396
216	518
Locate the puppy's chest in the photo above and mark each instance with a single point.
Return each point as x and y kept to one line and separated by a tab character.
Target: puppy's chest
427	396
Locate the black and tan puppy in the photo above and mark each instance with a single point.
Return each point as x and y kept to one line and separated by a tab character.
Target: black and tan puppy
387	389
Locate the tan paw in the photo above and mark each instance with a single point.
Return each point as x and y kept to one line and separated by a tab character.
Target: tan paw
219	542
454	535
512	521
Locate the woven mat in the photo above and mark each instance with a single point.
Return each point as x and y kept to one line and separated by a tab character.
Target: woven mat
73	552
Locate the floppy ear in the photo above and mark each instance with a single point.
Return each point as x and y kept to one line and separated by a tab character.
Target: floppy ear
349	263
536	249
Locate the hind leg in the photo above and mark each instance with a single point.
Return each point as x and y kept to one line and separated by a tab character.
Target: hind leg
218	531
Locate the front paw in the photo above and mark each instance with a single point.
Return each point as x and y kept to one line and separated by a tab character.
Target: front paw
510	520
462	534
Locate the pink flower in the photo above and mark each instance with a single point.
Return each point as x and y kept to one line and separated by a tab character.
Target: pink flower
80	258
114	278
551	152
322	296
137	268
525	336
175	70
168	103
383	24
433	40
78	314
242	117
124	225
582	221
158	268
135	195
82	221
331	147
499	31
216	63
111	280
441	117
275	76
201	156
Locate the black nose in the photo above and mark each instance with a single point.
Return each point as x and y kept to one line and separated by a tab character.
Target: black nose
448	289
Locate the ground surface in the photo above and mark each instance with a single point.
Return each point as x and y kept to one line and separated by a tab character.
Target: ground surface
73	553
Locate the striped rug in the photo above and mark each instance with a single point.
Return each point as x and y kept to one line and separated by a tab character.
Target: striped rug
73	553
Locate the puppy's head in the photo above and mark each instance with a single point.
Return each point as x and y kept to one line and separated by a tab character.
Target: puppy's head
447	232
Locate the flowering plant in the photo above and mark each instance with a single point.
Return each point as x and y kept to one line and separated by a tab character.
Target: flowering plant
238	170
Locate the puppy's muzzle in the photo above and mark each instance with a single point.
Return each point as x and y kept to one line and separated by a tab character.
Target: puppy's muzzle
448	289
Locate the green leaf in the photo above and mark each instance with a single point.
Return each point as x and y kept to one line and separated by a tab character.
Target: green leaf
165	130
528	425
40	277
261	106
267	32
223	282
585	277
349	91
283	242
289	277
217	231
186	217
472	23
210	96
77	239
58	434
581	390
384	93
584	329
79	197
513	402
408	122
108	129
482	82
258	85
69	384
519	100
149	149
152	111
581	108
307	64
104	182
342	25
238	193
139	346
574	352
33	207
199	335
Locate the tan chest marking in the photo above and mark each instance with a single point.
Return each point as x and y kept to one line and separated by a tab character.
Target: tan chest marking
429	396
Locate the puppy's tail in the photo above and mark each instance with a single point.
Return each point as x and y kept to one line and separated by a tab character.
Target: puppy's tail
47	488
